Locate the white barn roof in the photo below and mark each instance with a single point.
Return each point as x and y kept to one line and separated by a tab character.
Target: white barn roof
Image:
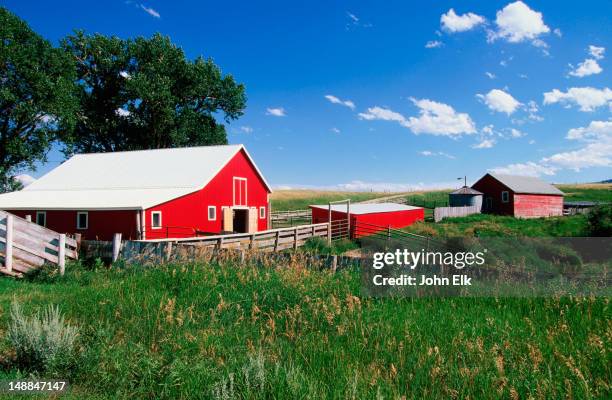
360	208
124	180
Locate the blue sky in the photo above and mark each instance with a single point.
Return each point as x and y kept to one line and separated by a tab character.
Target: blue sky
393	95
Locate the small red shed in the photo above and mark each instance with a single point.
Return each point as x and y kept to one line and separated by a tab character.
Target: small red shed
519	196
149	194
368	218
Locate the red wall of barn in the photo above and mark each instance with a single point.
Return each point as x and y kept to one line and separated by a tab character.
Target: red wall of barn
359	222
102	224
492	188
519	205
537	205
182	216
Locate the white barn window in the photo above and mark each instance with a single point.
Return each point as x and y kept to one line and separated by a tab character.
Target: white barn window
82	220
212	213
505	196
156	220
262	212
41	218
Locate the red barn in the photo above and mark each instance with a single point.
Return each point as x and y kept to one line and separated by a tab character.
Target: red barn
519	196
149	194
368	218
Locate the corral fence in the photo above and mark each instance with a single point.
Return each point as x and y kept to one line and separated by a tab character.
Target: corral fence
446	212
282	219
267	241
26	246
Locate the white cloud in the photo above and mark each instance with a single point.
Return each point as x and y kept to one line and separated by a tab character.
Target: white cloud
526	169
490	75
24	179
434	118
355	21
558	32
517	23
515	133
484	144
533	110
246	129
122	112
585	68
597	52
428	153
500	101
335	130
276	112
597	130
383	114
432	44
593	155
588	98
335	100
150	11
439	119
451	22
596	152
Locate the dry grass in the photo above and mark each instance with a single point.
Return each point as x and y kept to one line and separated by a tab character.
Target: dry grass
601	186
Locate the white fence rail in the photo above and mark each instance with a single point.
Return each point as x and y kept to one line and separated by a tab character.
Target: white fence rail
25	246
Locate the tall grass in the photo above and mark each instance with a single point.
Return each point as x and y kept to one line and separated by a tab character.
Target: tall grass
215	330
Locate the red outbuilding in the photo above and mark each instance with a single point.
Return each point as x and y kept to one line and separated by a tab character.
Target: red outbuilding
149	194
366	219
519	196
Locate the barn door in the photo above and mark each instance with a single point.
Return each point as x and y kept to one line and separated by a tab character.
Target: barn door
228	219
252	220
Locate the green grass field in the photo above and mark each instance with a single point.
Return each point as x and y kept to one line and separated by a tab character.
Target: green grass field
496	225
284	200
220	331
588	192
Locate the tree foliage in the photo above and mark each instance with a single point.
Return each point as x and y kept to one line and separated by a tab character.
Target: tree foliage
36	102
144	94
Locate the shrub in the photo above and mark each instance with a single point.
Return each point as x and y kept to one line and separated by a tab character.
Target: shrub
42	342
600	221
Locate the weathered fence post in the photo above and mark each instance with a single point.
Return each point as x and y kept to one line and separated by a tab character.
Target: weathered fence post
334	263
276	240
220	243
168	251
295	239
252	242
61	253
8	253
116	246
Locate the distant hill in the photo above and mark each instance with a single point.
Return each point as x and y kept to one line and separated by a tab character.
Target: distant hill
606	181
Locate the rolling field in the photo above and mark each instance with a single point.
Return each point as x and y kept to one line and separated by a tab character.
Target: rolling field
284	200
224	332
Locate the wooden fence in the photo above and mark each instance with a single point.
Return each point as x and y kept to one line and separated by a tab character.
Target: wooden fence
445	212
282	219
25	246
267	241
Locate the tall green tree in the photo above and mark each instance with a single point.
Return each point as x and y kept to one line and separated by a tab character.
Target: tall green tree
36	97
145	94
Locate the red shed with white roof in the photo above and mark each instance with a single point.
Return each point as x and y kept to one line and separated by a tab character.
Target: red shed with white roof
370	217
149	194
